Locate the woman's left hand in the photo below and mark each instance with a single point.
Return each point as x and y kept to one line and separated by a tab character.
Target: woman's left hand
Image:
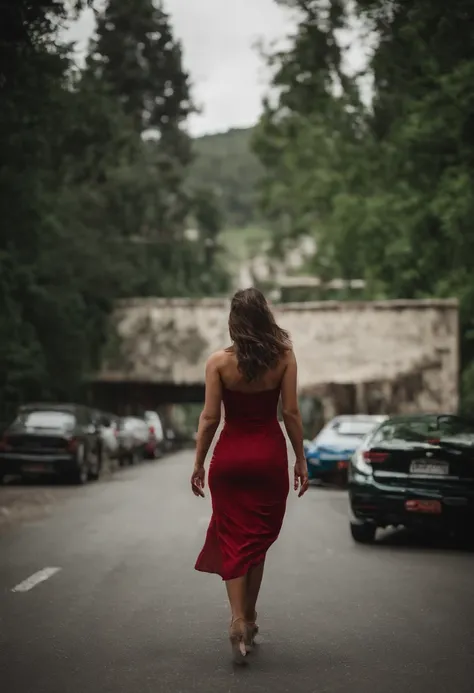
198	481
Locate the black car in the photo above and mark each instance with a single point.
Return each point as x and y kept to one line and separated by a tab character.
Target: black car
413	471
52	439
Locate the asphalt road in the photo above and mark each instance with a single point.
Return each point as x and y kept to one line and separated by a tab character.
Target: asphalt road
126	613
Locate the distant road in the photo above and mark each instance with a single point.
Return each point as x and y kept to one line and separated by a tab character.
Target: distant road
107	601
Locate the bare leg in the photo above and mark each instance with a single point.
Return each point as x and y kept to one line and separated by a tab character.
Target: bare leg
236	592
254	581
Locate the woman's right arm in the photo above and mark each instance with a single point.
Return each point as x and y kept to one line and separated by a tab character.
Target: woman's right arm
292	420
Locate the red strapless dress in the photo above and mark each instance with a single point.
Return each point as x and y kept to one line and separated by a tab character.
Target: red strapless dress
249	483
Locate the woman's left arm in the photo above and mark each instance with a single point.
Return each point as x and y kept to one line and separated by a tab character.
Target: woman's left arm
210	417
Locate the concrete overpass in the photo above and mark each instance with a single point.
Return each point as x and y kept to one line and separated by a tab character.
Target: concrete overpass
384	356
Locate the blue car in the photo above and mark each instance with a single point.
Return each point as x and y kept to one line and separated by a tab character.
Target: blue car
329	453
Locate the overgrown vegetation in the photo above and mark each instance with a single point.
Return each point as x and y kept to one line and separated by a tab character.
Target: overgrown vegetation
387	189
94	197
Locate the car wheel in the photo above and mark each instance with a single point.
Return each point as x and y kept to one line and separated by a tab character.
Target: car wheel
80	475
363	533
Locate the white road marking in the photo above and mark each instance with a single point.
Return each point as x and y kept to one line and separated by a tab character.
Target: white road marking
35	579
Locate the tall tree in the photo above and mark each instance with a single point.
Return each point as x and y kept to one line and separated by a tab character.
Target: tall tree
309	132
387	190
135	57
136	54
81	198
421	202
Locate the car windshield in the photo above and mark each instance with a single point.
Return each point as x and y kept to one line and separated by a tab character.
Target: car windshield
46	419
426	429
357	429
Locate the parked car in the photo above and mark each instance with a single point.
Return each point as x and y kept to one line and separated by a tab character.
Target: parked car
52	439
413	471
133	439
107	426
156	437
329	453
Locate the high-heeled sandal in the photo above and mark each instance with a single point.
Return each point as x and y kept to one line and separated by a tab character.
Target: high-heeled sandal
252	632
238	636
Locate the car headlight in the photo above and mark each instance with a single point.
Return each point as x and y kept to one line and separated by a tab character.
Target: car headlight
360	464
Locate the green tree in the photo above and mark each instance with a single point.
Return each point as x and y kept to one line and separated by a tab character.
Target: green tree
207	214
421	203
90	211
136	61
137	56
386	190
309	138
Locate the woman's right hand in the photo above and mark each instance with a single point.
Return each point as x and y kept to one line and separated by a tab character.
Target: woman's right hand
198	480
301	476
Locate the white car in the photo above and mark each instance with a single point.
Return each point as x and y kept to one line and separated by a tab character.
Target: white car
133	439
107	426
108	431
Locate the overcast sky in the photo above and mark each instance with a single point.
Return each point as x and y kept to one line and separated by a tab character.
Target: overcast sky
218	36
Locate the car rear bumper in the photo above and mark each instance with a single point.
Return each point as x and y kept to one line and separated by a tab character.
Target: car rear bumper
384	507
30	463
318	468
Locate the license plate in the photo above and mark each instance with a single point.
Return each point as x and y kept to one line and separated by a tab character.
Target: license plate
34	468
432	507
431	468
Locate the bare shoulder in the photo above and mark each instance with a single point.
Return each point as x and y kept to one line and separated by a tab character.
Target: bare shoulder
288	357
217	360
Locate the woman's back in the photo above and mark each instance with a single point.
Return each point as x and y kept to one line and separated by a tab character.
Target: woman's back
251	446
233	379
247	410
245	403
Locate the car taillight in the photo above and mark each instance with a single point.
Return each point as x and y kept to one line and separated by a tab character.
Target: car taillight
434	441
152	430
374	457
4	443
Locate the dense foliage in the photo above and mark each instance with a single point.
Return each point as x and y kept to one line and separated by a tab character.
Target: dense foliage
91	209
387	188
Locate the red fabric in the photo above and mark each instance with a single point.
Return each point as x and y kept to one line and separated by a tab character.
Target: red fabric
249	484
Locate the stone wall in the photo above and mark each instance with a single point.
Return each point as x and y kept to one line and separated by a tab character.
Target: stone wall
369	355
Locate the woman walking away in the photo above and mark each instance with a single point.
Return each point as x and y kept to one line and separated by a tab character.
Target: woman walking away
248	474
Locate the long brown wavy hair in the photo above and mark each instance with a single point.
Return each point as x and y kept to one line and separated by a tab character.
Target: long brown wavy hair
258	342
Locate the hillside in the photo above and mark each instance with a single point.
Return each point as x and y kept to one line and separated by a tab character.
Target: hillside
226	162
